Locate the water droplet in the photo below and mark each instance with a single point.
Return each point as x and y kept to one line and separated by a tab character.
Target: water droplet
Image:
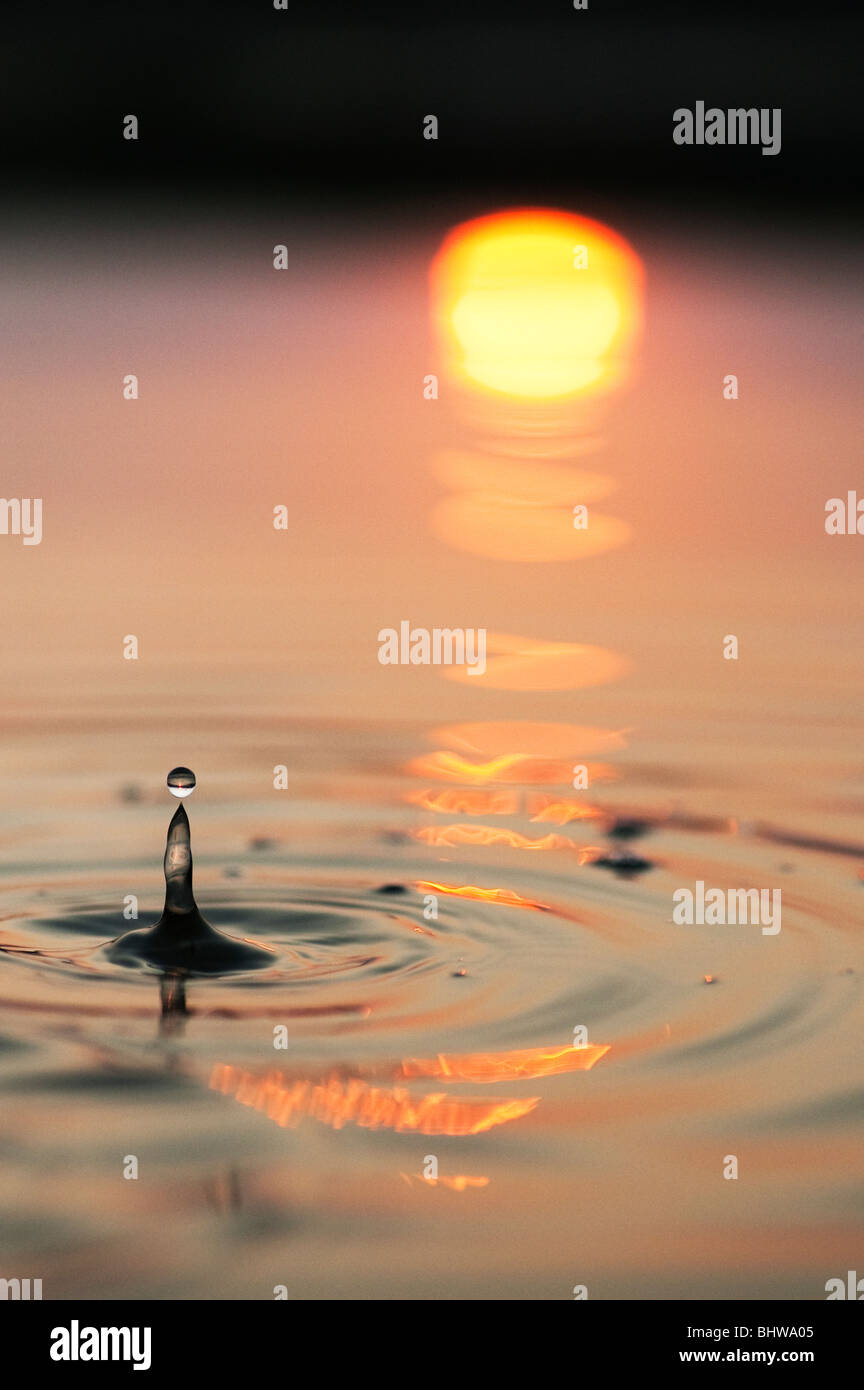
181	781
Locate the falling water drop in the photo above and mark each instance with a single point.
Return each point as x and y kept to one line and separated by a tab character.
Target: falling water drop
181	782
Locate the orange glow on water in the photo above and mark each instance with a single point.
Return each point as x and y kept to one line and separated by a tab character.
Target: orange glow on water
467	802
529	480
517	313
502	528
536	737
457	1183
563	812
589	854
510	767
526	663
340	1101
505	896
518	768
526	1064
452	835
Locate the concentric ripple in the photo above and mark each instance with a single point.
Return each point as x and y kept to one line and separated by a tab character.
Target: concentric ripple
427	963
395	957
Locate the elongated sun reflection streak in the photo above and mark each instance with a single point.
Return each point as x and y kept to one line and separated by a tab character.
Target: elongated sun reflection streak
453	835
506	528
525	1065
340	1101
536	311
509	767
526	663
457	1183
538	738
532	306
479	803
546	483
352	1100
562	812
467	802
519	768
505	896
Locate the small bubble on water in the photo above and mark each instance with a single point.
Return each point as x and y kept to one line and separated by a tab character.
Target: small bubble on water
181	781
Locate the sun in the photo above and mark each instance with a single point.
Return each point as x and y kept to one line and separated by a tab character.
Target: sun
537	304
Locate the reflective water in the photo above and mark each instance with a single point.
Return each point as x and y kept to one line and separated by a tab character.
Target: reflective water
435	912
408	1035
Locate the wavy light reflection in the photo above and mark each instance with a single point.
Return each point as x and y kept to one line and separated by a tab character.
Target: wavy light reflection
467	802
517	768
505	896
504	528
526	663
562	812
453	835
526	1064
536	737
457	1183
537	482
340	1101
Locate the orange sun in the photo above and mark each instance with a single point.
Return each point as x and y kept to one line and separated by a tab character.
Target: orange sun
537	304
